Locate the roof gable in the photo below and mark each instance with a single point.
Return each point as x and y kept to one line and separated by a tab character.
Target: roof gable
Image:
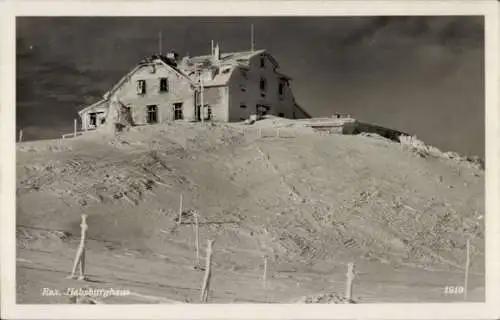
100	103
141	65
271	58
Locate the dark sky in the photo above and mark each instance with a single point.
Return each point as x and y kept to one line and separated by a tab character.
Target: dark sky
422	75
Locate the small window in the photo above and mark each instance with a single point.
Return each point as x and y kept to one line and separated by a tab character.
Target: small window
178	115
281	88
163	85
152	114
243	88
243	106
92	119
263	84
262	62
141	87
281	114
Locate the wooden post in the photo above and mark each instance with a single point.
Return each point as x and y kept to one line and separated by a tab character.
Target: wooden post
75	123
197	235
208	273
21	135
467	263
350	278
180	211
252	39
160	47
80	254
202	106
264	276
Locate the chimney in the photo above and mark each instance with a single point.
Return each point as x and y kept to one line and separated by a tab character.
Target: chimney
216	54
172	58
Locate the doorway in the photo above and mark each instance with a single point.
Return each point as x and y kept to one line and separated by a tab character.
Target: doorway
262	110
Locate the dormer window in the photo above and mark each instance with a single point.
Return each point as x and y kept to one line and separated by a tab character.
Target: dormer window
141	87
163	85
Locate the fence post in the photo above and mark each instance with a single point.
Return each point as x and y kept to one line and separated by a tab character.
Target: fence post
264	276
21	135
350	278
74	127
467	263
197	235
80	254
208	273
180	211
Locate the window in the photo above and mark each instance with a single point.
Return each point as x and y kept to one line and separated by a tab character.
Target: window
263	84
281	88
207	112
243	106
178	111
152	114
243	88
262	62
281	114
92	119
163	84
141	87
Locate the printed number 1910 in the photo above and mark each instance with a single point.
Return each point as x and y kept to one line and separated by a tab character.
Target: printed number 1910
453	290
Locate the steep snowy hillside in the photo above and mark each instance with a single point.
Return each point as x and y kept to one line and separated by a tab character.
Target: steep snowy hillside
311	202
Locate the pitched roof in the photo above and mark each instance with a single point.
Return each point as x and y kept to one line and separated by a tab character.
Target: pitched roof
145	62
230	57
92	106
228	63
188	65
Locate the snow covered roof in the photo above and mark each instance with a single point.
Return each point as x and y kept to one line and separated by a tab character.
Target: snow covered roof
99	104
188	67
227	63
